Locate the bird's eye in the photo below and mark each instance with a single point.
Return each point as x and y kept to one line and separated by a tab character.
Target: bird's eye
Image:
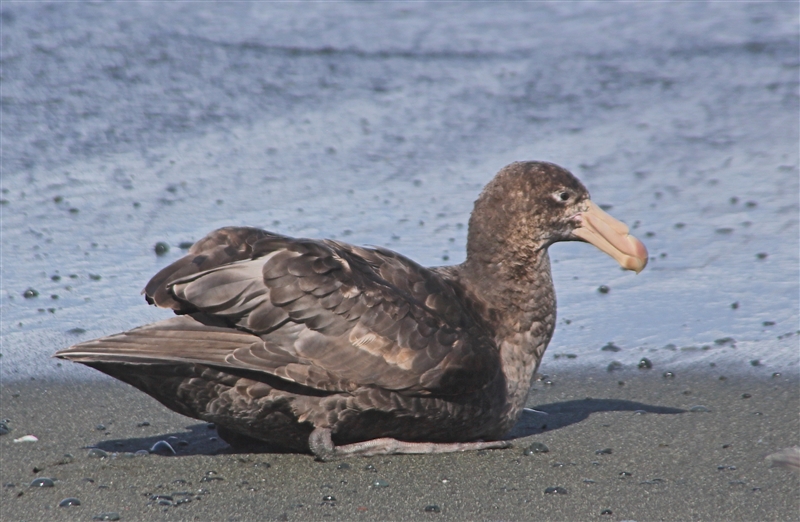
562	196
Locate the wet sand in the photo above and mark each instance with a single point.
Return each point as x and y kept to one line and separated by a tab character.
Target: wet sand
668	463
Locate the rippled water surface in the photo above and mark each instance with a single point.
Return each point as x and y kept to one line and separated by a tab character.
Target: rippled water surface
128	124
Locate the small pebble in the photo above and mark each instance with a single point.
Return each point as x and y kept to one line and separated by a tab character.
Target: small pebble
645	364
699	409
755	362
768	323
343	465
605	451
776	375
161	248
4	429
97	453
735	305
746	396
614	366
603	289
610	347
558	490
761	255
142	424
669	375
162	447
100	427
625	474
536	447
606	512
69	501
27	438
329	498
433	508
42	482
370	467
29	293
380	484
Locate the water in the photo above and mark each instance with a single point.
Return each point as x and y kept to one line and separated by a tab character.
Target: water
123	126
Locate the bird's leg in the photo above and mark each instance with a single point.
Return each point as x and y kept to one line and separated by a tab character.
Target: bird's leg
323	448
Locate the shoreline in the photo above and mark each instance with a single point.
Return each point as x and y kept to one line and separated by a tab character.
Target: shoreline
666	463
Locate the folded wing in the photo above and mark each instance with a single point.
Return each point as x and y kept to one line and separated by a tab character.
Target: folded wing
322	314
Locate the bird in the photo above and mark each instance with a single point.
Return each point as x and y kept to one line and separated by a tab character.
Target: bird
323	347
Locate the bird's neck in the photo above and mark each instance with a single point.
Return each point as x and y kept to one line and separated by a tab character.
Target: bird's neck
517	292
520	304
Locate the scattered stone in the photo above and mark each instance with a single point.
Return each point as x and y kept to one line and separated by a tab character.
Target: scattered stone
699	409
725	340
605	451
97	453
42	482
329	498
746	396
776	375
69	501
432	508
343	465
603	289
163	447
76	331
185	245
735	305
755	362
762	255
614	366
606	512
111	515
536	447
95	277
645	364
625	474
788	458
29	293
371	468
142	424
100	427
768	323
380	483
161	248
669	375
4	429
557	490
610	347
27	438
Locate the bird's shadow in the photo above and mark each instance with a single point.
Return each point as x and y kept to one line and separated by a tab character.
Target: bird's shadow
201	440
556	415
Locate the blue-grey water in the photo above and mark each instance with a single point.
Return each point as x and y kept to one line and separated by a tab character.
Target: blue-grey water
125	124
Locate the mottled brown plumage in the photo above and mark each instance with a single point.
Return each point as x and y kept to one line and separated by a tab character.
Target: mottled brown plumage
317	345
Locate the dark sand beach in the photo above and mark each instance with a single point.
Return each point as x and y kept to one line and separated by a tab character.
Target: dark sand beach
662	461
125	125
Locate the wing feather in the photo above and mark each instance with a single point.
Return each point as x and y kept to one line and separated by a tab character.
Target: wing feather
322	314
